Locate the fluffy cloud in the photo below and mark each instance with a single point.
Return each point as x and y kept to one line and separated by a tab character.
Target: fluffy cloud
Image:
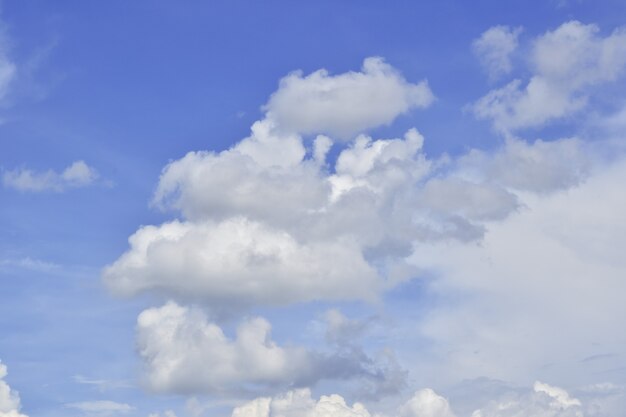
183	352
9	399
299	403
78	174
494	48
544	401
426	403
566	63
274	221
345	104
262	232
240	261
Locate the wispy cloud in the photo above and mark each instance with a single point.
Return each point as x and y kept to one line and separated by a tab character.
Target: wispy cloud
76	175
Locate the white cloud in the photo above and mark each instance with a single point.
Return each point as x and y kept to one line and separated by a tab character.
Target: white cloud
182	351
299	403
242	262
185	353
76	175
101	408
494	48
426	403
261	232
540	400
264	234
9	399
543	401
565	63
271	222
345	104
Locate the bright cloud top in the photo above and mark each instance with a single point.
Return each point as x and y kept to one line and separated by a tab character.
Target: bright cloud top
542	400
298	403
9	399
565	64
345	104
77	175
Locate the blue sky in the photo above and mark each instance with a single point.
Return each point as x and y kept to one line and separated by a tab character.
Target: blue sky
421	200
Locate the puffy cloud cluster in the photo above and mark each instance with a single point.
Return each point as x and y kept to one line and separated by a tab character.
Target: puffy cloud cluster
345	104
299	403
263	233
279	219
184	352
78	174
9	399
544	401
565	63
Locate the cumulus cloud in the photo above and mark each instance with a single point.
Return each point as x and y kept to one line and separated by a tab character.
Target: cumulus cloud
540	400
9	399
565	63
345	104
544	400
426	403
261	232
494	48
101	408
240	261
274	221
299	403
184	352
76	175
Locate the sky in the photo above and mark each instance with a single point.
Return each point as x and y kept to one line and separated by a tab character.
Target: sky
312	209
